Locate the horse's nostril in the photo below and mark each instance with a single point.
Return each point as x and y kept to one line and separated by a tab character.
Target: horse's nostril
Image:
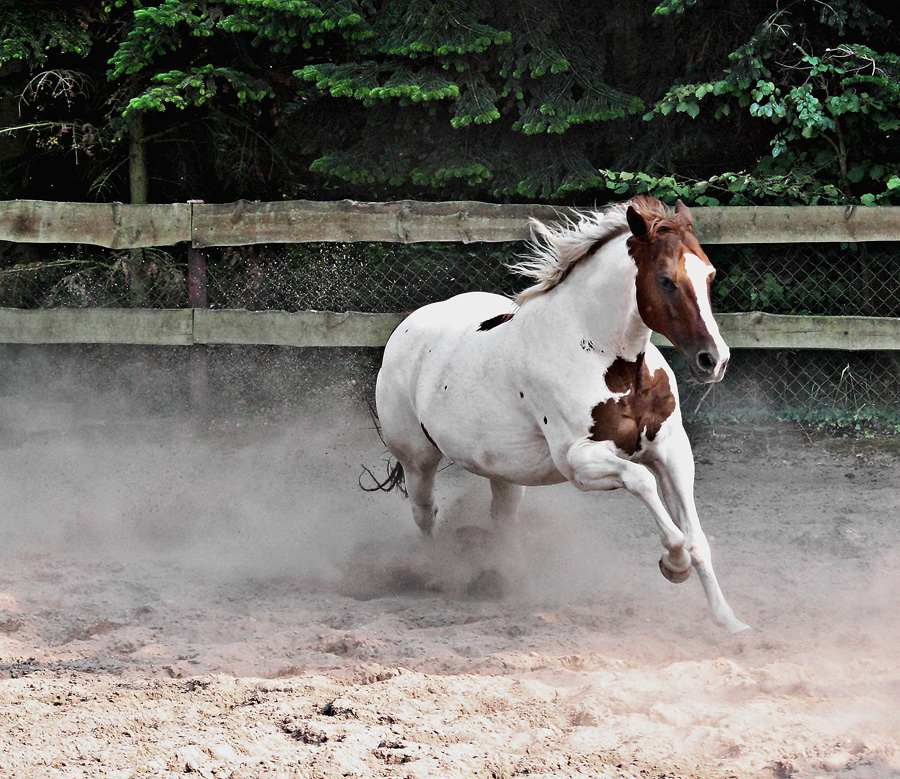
706	361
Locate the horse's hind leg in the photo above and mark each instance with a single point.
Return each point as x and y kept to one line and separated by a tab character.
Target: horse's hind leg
409	442
420	471
505	499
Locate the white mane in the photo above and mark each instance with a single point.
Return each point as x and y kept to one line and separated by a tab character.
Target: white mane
553	251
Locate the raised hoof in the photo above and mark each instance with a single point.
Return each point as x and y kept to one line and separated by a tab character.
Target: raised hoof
676	577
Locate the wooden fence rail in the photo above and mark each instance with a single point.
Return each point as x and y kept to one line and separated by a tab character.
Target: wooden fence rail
120	226
187	327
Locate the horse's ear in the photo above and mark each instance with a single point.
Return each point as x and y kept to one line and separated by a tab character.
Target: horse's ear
681	208
636	223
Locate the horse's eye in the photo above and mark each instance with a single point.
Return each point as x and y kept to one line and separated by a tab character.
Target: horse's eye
667	284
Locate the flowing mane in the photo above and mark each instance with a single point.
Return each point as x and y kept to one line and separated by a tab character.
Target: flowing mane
554	251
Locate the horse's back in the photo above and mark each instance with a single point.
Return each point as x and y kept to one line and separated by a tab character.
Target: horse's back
429	332
457	314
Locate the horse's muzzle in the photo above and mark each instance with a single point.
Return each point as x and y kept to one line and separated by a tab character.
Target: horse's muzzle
708	365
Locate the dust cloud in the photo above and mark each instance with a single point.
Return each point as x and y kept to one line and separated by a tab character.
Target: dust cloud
112	463
214	594
109	460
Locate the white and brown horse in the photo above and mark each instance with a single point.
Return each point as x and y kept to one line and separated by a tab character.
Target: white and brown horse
563	383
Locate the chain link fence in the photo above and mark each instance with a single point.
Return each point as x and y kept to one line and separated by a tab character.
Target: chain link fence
854	392
827	279
831	279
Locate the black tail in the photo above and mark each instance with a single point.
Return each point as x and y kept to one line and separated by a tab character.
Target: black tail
395	478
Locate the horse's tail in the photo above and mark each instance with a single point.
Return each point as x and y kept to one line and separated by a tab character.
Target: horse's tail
395	477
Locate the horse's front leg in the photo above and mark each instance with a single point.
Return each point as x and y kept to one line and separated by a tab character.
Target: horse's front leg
673	464
592	466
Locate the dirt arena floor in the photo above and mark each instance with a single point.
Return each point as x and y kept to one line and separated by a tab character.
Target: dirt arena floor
226	602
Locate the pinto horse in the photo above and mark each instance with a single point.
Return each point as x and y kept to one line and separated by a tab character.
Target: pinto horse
563	384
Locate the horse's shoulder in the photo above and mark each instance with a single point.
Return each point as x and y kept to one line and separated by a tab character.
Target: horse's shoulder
642	397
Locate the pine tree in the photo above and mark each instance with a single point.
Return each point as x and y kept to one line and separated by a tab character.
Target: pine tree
716	101
456	96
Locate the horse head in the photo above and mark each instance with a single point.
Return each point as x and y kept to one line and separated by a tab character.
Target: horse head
673	285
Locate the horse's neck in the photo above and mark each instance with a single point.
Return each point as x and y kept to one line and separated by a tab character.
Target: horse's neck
597	303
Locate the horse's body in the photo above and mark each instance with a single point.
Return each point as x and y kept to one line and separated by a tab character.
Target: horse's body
564	384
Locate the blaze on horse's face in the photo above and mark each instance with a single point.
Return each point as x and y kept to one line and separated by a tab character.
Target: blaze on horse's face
673	282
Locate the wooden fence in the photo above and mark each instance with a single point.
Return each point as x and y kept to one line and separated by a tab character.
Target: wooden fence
199	225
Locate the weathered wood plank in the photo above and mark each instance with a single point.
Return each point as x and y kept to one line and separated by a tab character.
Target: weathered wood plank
855	333
797	224
120	226
410	222
406	221
96	326
323	328
776	331
113	225
304	328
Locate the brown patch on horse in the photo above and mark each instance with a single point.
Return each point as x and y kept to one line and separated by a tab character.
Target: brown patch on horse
490	324
665	295
647	402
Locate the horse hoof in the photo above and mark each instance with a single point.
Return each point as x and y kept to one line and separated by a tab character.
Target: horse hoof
676	577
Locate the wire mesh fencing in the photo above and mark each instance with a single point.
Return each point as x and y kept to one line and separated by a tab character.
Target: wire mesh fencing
860	279
844	391
92	277
829	279
371	277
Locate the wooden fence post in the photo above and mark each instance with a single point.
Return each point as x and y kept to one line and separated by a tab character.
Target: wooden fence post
197	279
198	298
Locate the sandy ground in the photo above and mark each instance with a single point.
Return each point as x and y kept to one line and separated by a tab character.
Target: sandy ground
228	603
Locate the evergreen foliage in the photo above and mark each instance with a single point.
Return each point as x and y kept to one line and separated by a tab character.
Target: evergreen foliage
31	32
738	101
833	104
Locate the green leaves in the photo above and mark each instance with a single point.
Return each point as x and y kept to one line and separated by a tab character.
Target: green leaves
439	30
196	87
672	7
281	25
371	81
473	66
834	105
477	103
31	32
466	98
